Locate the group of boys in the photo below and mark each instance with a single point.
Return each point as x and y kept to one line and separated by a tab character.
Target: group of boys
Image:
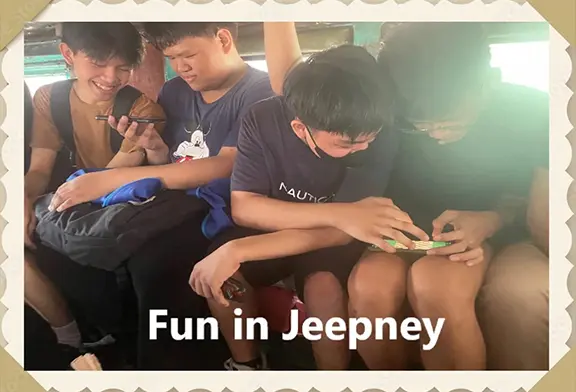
325	157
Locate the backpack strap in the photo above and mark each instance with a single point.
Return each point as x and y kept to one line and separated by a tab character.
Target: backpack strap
123	104
61	114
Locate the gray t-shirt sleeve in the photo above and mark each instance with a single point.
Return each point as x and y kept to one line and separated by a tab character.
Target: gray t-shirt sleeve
259	91
249	173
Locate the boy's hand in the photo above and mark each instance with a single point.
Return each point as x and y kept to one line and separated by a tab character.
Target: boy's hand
445	132
82	189
209	275
471	230
371	219
144	136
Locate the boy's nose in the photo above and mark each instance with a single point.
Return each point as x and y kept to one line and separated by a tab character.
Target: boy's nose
182	67
109	75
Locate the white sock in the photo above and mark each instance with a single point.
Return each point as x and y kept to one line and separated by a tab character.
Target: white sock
68	334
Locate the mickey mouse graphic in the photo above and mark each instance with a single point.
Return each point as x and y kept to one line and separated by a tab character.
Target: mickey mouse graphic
196	148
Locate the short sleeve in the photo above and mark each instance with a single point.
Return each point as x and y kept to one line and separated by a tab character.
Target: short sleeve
44	132
249	174
261	90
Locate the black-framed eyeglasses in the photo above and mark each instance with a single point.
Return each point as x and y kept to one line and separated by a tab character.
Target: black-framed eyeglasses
406	127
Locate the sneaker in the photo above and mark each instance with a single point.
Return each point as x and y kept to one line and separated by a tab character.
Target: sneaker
105	341
231	364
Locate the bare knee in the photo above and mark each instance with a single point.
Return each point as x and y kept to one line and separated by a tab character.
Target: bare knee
378	280
322	287
432	289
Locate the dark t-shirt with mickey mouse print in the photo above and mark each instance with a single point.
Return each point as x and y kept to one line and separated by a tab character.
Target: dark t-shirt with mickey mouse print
195	129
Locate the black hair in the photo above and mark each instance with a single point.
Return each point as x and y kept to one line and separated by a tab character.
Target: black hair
103	41
163	35
435	65
340	90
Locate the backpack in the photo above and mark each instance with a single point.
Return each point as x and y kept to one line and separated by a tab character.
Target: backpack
105	237
65	163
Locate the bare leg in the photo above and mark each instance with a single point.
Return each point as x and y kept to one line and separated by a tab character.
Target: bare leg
440	288
324	299
377	288
242	350
41	295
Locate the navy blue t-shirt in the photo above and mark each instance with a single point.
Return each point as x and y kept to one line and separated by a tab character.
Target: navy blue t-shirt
196	129
274	162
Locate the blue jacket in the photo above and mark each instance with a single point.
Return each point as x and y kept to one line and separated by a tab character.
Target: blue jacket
215	193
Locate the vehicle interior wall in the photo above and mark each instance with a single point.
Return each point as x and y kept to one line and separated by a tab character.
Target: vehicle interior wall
519	50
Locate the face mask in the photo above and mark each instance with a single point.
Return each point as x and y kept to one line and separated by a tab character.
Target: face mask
321	153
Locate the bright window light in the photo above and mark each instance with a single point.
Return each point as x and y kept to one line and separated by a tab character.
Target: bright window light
35	82
523	63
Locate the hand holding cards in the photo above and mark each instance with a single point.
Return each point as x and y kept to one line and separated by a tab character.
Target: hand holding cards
373	219
419	246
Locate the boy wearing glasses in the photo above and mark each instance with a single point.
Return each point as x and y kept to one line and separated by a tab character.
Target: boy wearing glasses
470	147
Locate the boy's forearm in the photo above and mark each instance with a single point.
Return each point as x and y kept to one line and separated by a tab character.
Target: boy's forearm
511	208
126	159
35	184
268	214
181	176
286	243
158	157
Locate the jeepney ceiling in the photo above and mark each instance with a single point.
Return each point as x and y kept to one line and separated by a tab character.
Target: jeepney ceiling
41	38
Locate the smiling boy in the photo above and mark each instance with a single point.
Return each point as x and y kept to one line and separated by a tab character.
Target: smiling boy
101	57
204	107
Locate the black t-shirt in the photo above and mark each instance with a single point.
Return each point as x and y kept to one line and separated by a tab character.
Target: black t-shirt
496	157
274	162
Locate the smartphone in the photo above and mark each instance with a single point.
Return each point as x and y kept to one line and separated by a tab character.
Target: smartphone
139	120
420	246
233	290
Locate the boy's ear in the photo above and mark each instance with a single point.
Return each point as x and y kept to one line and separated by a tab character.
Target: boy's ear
226	40
67	53
299	128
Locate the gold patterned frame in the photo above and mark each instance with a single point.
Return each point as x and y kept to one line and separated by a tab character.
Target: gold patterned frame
561	14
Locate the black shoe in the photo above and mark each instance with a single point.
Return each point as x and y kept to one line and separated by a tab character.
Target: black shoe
63	356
